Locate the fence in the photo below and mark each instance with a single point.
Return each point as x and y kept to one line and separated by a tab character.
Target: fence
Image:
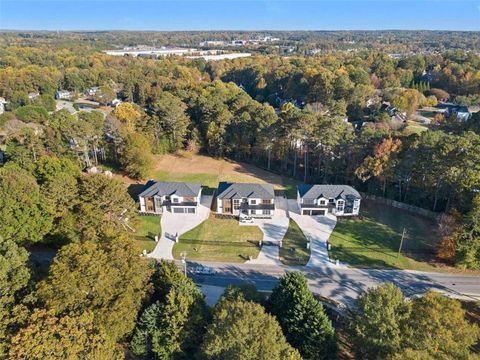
399	205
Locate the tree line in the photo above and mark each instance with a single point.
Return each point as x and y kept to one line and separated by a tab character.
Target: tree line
287	115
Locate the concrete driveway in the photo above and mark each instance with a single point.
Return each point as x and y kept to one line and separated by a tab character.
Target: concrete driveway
317	230
173	224
274	230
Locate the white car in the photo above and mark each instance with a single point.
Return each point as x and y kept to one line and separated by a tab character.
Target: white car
246	220
204	270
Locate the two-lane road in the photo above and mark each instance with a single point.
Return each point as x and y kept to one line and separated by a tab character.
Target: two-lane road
342	285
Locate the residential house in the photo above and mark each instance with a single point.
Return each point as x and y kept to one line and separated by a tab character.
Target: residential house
340	200
3	102
63	95
461	112
115	102
90	92
255	200
157	197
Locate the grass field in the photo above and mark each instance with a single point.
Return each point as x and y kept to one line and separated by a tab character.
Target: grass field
146	229
373	239
294	246
219	240
209	171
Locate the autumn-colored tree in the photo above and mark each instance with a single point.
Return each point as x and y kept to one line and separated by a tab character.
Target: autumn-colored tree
47	336
409	101
103	203
440	94
382	163
377	323
24	214
109	279
136	157
104	95
127	114
242	330
438	326
14	280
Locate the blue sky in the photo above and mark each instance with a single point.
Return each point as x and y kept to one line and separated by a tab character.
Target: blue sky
239	15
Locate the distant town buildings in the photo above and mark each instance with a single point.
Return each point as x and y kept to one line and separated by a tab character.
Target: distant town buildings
240	42
151	51
190	53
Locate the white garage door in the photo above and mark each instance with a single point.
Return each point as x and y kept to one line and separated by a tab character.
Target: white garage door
322	212
184	210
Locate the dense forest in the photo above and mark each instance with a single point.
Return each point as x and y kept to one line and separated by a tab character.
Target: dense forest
316	119
298	42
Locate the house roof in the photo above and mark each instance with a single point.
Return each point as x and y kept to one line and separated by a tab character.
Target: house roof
162	188
327	191
245	190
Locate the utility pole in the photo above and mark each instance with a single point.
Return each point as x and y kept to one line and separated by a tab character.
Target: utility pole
183	255
401	242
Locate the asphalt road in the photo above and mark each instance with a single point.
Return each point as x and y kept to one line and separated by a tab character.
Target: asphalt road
342	285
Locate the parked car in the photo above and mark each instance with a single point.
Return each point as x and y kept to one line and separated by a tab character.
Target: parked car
246	220
204	270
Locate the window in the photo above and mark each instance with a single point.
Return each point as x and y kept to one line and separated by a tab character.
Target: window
340	205
266	212
236	204
266	201
331	200
322	202
175	200
253	202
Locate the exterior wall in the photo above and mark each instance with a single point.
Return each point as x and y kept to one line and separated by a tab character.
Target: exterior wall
142	204
331	207
259	213
251	212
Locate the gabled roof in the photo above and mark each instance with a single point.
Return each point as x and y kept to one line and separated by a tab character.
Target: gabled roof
162	188
327	191
245	190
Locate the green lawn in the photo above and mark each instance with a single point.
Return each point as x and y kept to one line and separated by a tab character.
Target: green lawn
146	229
209	181
219	240
294	246
373	239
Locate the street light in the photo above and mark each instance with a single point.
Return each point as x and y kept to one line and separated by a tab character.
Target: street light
183	255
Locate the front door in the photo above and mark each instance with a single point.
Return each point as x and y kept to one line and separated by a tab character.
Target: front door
227	206
149	205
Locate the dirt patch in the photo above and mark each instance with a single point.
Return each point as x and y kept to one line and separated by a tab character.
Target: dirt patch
223	168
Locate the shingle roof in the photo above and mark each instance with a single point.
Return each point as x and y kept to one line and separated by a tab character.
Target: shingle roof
245	190
327	191
162	188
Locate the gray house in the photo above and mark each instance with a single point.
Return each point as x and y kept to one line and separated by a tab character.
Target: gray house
340	200
255	200
157	197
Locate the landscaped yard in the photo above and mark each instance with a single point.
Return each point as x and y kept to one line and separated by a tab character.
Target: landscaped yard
146	229
219	240
294	246
373	239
